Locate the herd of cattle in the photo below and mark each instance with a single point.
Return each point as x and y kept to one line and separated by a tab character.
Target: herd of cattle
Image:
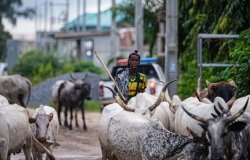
36	134
213	124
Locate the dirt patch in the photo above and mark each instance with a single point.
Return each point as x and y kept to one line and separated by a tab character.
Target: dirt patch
77	143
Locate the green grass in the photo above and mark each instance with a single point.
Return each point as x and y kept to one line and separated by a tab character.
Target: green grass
93	105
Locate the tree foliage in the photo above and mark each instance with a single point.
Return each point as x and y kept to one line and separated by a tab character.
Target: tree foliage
219	17
241	63
11	10
209	16
151	24
38	66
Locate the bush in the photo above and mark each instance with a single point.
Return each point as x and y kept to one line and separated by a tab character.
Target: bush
39	66
241	63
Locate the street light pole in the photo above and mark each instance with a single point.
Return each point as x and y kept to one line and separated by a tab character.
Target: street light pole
139	25
171	44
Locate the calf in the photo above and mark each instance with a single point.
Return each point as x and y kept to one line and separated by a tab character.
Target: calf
45	128
15	133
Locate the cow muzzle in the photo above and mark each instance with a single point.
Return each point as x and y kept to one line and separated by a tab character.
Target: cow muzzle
42	140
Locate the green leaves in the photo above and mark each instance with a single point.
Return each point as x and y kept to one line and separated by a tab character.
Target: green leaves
38	66
241	63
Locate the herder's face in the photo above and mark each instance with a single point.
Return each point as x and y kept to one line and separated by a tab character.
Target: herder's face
134	61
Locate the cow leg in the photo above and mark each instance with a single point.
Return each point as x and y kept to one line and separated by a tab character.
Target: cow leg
71	117
21	100
27	149
83	116
59	113
3	150
76	119
66	117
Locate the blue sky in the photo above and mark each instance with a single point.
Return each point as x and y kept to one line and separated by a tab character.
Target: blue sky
26	28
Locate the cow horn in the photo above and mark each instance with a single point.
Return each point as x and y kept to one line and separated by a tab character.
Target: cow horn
161	96
197	94
231	101
222	108
232	83
207	82
72	77
198	87
200	119
119	100
217	111
233	117
167	97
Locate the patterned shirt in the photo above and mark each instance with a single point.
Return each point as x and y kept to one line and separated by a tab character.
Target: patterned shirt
130	86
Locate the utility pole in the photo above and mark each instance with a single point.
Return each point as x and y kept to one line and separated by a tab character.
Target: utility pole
171	44
139	25
78	16
45	15
99	15
113	39
84	15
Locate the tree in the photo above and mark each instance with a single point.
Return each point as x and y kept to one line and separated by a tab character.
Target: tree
151	20
220	17
10	9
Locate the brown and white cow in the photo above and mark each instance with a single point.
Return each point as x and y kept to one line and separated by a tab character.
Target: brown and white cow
45	127
225	90
15	132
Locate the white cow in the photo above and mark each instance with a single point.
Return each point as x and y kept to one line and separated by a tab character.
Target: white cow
16	89
134	137
45	128
164	112
142	108
107	113
239	103
193	105
15	132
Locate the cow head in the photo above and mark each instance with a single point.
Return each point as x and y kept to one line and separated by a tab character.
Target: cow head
226	90
219	128
81	85
42	124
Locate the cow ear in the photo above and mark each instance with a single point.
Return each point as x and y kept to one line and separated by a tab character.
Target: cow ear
50	116
32	120
237	126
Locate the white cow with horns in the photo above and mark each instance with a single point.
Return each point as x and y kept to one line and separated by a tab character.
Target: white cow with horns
128	133
45	127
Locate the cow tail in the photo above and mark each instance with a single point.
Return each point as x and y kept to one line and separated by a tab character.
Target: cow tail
59	91
48	152
29	85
